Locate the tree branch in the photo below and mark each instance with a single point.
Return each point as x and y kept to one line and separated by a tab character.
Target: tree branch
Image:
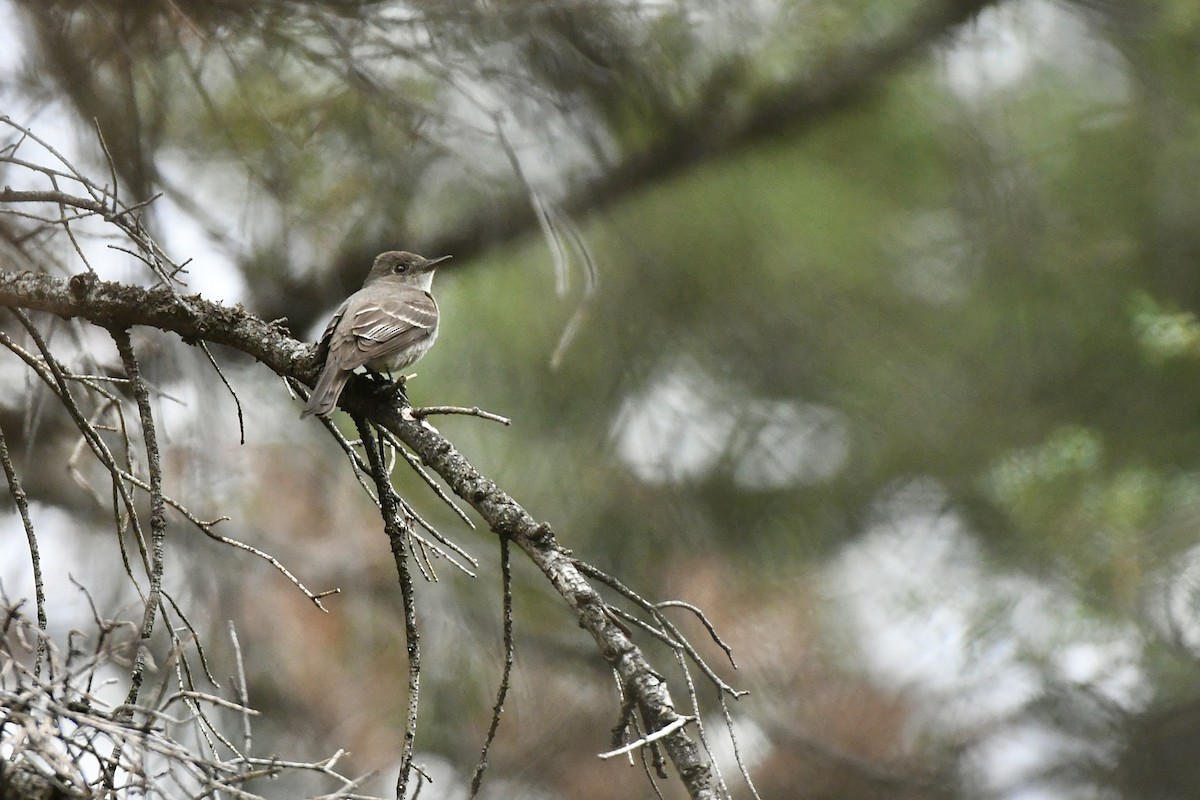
114	305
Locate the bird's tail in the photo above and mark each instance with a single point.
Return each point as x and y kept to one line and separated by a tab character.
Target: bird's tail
325	394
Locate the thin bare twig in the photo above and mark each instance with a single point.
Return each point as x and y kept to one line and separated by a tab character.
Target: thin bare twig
661	733
737	748
195	637
239	685
712	630
398	530
509	656
475	411
229	386
18	495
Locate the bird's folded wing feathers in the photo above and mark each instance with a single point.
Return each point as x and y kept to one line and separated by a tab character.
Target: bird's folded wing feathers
377	330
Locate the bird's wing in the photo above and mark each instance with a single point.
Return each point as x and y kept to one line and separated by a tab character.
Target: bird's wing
376	330
323	344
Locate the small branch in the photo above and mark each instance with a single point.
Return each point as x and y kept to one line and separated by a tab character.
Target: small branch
668	628
712	629
211	698
737	748
239	684
236	401
18	495
158	513
115	305
662	733
429	411
509	652
314	597
187	623
10	195
398	531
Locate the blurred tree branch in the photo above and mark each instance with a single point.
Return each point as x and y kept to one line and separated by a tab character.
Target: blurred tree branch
586	65
724	122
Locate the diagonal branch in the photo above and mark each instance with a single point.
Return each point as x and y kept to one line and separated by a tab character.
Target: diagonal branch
508	519
110	304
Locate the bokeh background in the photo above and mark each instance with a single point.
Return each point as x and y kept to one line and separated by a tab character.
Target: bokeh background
868	327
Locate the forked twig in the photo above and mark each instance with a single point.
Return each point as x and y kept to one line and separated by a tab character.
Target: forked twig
362	471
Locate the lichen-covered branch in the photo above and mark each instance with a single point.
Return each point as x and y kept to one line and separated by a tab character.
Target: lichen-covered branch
192	318
158	507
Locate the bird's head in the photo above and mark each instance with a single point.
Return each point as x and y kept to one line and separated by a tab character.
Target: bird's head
404	267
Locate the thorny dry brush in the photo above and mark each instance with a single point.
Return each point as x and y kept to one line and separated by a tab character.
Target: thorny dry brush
168	738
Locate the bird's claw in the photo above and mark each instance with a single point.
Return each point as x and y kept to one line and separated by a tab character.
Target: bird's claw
388	390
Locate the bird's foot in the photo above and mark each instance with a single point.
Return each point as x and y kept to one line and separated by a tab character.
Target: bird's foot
390	390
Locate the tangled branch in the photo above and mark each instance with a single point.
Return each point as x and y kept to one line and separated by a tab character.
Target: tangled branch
67	741
384	427
118	305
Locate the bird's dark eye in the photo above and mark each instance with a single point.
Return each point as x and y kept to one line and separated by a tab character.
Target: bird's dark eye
400	269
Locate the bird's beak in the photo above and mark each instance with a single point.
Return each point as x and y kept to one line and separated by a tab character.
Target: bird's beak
429	262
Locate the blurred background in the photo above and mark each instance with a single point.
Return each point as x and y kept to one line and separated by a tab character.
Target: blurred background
868	327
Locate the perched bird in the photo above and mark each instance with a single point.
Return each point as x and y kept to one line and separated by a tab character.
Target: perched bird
387	325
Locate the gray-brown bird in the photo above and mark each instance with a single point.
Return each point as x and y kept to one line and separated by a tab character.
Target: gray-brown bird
387	325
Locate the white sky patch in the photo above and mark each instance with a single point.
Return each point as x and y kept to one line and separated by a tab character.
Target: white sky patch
1024	750
782	443
1006	44
66	551
989	54
12	55
211	272
676	428
685	425
933	621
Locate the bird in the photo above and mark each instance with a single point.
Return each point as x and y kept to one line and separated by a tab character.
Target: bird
387	325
